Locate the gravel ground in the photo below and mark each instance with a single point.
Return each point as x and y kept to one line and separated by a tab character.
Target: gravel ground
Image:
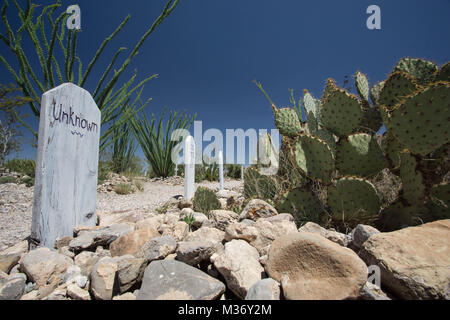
16	204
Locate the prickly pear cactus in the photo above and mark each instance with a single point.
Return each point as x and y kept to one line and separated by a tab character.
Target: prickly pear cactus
302	204
422	70
287	122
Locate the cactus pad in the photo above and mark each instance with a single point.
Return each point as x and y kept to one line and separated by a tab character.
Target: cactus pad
287	121
359	155
412	180
398	216
353	198
341	112
422	70
421	121
362	85
376	91
302	204
312	106
444	73
396	88
314	157
392	147
372	120
258	186
330	87
441	193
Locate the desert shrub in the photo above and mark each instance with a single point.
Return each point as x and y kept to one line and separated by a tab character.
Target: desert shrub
123	189
6	179
28	181
104	169
233	171
22	166
139	184
163	209
205	200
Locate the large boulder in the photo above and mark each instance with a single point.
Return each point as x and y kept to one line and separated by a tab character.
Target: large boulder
256	209
174	280
331	235
414	262
132	242
239	265
130	271
42	265
86	260
99	236
179	230
311	267
8	261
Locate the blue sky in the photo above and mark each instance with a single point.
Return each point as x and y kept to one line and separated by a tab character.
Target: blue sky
208	52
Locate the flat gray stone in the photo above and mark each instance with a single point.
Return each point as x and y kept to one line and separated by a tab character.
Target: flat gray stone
194	252
174	280
12	288
103	236
157	248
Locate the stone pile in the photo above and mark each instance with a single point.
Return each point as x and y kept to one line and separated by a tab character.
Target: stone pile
259	254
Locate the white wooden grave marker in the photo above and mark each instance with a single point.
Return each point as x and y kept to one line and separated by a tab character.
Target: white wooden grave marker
221	169
65	192
189	168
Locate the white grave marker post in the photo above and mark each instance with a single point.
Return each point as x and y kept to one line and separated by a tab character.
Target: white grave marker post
242	173
189	168
65	192
221	169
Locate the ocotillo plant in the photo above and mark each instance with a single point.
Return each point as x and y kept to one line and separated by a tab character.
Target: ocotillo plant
337	152
48	33
123	148
155	139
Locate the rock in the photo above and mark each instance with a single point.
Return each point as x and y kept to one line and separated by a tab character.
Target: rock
331	235
256	209
19	248
62	242
32	295
280	217
265	289
76	293
223	218
310	267
130	271
185	204
157	248
414	262
43	265
66	251
195	252
186	212
178	231
174	280
125	296
102	252
223	203
199	217
239	265
361	234
103	277
227	194
80	281
108	219
206	234
13	287
99	236
7	262
268	232
372	292
130	243
86	260
242	231
57	294
154	222
71	273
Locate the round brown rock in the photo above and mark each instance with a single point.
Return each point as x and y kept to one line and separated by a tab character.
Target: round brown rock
311	267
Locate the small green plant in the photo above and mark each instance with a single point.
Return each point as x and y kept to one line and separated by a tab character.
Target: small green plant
123	189
233	171
6	179
104	169
205	200
139	184
189	219
28	181
23	166
162	209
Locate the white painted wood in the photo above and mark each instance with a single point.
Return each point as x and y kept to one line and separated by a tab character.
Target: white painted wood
189	168
65	192
221	169
242	173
